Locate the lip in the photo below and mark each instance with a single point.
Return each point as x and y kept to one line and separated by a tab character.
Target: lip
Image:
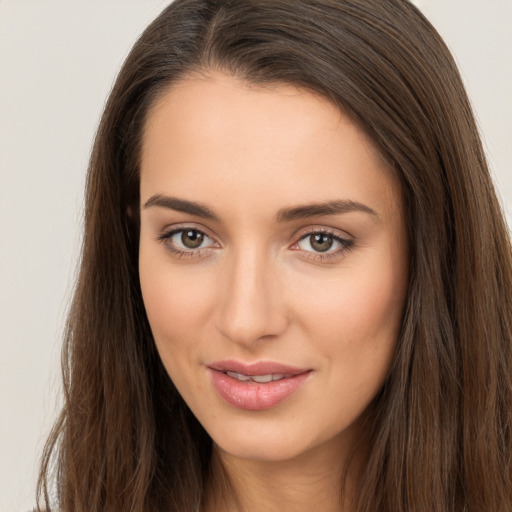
257	368
251	395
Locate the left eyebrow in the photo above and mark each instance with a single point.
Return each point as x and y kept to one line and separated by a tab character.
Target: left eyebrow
325	208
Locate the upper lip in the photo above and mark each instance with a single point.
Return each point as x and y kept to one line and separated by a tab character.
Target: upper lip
257	368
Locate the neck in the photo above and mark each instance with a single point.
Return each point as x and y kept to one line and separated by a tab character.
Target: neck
310	482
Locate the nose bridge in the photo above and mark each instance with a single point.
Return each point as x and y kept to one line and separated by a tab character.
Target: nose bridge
251	304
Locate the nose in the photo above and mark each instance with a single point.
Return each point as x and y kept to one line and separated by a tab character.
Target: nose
251	306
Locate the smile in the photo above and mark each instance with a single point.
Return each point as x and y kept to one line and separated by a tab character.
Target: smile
257	378
257	386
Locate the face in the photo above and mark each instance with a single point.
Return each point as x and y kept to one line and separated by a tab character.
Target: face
273	263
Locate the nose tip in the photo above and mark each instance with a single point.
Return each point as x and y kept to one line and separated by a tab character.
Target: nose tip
251	307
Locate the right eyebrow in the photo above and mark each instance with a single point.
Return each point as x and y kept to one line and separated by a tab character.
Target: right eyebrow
181	205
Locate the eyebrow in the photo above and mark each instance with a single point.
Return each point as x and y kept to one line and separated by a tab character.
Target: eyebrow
324	208
181	205
282	216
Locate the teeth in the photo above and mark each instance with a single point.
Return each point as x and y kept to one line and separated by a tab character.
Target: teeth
261	379
239	376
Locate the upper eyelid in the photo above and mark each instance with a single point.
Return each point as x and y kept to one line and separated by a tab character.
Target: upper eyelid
165	238
337	233
345	242
297	235
176	228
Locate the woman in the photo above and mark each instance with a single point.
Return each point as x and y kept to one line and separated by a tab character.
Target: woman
294	283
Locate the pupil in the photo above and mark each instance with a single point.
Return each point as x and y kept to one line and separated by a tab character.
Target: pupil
321	242
192	239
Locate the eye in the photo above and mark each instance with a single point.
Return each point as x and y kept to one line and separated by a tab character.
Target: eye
189	238
323	245
318	242
186	241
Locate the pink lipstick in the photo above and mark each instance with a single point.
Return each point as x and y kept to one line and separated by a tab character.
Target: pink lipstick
256	386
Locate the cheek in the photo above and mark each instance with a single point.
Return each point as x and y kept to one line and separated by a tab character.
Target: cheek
178	305
362	308
355	322
355	329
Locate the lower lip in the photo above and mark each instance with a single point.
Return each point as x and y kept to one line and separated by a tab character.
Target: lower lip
255	396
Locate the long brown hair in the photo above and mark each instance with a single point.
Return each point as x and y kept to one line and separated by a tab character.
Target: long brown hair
442	424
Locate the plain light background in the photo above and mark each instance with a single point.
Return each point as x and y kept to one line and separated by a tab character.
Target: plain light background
58	59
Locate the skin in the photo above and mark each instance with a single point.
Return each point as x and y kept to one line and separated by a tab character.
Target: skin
257	289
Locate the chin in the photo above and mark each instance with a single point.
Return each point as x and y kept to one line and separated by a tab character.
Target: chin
276	449
278	440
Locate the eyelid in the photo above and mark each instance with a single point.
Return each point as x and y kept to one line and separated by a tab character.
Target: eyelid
342	237
320	228
167	233
311	230
176	228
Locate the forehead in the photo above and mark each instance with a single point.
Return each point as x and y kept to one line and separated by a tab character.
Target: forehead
217	137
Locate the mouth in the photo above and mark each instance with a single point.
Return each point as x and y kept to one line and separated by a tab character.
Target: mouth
261	379
257	369
256	386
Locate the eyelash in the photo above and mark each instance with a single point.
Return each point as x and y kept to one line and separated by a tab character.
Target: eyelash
346	244
165	238
324	257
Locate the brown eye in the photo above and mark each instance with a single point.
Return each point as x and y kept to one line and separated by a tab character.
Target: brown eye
188	242
324	244
321	242
191	238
